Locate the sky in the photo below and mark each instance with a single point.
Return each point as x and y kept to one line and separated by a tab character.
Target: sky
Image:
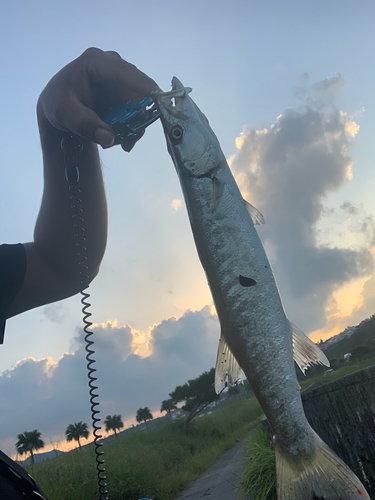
288	89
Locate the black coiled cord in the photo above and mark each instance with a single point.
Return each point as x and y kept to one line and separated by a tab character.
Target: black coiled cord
93	395
71	146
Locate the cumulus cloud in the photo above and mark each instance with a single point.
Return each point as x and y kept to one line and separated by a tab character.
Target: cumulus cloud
287	171
41	394
176	204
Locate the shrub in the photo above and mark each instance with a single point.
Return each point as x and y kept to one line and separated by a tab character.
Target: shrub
259	476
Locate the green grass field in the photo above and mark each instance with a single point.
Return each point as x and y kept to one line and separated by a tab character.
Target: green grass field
161	463
157	464
341	372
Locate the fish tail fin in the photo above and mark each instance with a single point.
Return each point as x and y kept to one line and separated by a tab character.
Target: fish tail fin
321	474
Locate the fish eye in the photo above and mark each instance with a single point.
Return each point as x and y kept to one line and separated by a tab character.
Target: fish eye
176	134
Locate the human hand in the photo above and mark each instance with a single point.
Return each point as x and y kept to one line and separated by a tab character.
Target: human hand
85	88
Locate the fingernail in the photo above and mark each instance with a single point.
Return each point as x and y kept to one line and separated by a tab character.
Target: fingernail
104	137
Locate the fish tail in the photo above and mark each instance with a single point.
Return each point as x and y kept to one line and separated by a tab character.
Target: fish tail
321	474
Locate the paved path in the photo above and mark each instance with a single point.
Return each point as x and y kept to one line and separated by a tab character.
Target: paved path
221	480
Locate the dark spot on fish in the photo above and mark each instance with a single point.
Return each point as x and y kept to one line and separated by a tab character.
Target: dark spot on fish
265	267
244	281
192	164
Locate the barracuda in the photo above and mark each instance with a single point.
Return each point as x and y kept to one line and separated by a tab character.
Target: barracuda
256	335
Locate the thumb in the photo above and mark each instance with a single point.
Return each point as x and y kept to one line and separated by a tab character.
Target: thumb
85	123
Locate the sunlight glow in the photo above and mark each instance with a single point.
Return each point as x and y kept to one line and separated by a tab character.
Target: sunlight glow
141	340
240	140
141	344
56	443
350	125
176	204
242	184
346	299
327	332
344	303
230	160
108	324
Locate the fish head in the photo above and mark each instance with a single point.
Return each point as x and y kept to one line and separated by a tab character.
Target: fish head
191	142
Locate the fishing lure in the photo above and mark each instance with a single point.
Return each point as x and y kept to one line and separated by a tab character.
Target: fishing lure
131	118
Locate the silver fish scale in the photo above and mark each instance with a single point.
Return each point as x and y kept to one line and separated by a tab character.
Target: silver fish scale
253	319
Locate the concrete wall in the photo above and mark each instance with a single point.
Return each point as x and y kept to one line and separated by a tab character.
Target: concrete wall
342	412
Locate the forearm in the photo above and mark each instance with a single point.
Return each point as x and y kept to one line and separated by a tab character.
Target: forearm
54	232
52	271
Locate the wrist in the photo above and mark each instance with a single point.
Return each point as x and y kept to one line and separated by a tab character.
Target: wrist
47	131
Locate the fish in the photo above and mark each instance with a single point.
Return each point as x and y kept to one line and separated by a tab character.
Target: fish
256	335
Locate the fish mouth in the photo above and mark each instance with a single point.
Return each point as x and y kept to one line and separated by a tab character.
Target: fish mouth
174	102
178	90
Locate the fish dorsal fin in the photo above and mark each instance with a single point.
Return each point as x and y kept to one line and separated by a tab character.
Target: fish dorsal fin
305	352
226	367
254	213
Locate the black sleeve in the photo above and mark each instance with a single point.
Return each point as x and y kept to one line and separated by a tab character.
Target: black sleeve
12	274
15	482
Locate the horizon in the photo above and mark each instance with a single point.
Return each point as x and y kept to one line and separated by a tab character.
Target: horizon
65	446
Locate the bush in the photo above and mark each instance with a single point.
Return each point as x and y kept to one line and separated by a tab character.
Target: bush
259	476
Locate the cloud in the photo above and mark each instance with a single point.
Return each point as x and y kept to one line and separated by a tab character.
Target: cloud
321	94
41	394
54	312
359	222
348	307
287	170
176	204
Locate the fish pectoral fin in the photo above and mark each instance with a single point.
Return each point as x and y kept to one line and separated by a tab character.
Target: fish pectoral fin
226	367
218	189
305	352
256	216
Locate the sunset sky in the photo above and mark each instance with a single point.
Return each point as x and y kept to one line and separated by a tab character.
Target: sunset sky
288	88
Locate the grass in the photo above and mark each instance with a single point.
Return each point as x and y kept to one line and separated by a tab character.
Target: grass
158	464
340	372
259	476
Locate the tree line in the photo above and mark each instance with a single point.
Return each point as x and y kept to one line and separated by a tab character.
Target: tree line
195	395
28	442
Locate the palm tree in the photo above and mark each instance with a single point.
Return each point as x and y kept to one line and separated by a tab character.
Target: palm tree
29	442
76	431
168	405
144	414
112	423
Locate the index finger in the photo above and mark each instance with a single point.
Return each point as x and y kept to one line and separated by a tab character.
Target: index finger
109	68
